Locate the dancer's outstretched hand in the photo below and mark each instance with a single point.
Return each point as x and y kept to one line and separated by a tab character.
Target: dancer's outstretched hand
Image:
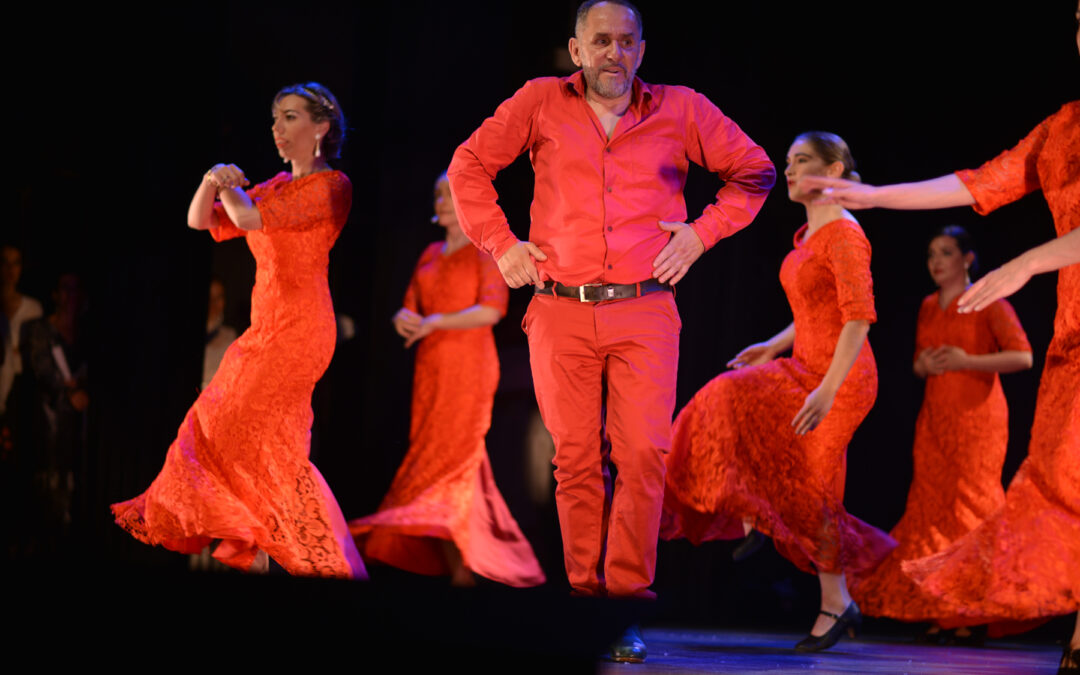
753	355
847	193
1004	281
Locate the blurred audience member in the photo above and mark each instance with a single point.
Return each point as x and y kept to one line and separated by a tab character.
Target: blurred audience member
18	309
54	356
218	335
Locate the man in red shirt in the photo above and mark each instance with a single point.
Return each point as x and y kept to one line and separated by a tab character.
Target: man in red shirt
606	244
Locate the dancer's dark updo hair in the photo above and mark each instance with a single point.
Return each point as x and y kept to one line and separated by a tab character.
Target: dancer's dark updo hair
964	242
322	106
831	148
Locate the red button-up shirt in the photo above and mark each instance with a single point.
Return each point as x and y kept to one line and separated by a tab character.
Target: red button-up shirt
597	201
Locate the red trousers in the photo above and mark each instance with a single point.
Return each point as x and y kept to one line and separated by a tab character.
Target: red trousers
624	355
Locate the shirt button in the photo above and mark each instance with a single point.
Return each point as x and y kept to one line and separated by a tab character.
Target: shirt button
609	189
607	149
610	228
609	267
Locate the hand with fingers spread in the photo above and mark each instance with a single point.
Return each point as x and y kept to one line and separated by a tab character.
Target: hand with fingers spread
755	354
814	409
763	352
1011	277
226	176
518	265
849	194
999	283
683	248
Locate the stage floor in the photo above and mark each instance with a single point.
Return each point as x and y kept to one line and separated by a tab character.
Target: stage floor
697	650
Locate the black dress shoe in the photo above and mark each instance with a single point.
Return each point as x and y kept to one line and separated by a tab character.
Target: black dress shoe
976	637
629	648
1070	661
931	636
748	546
849	621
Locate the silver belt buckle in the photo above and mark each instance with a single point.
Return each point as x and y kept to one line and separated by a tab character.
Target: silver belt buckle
581	291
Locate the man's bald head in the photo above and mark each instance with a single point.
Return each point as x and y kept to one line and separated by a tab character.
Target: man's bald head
583	12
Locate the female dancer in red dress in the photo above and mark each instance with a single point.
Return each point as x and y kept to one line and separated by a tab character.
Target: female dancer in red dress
765	444
960	437
239	470
443	514
1020	564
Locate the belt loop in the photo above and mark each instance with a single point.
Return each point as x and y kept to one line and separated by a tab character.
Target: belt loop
638	287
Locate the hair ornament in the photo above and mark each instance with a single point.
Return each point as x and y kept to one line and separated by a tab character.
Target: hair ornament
323	101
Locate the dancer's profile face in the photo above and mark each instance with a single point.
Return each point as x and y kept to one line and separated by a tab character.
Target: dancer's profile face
802	160
294	130
608	48
945	261
444	205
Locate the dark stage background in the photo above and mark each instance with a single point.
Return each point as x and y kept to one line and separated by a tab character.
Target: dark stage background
118	115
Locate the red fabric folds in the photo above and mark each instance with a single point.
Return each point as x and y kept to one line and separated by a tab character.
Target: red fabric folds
735	454
444	488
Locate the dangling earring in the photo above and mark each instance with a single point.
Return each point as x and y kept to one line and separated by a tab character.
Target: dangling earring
318	150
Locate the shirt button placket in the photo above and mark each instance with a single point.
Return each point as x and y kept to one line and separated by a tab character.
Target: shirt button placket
609	174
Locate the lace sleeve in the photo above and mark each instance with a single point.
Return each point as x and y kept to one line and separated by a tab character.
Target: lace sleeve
848	256
225	228
1009	176
324	198
413	294
1005	327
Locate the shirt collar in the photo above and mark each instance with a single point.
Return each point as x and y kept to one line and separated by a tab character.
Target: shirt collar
641	96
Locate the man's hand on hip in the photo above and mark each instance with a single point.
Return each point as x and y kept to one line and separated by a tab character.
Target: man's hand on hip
518	265
678	255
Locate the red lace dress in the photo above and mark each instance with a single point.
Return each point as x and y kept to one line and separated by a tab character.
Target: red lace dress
735	453
1022	563
960	440
444	489
238	470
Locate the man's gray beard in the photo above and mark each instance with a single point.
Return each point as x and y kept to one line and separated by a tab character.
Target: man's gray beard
603	91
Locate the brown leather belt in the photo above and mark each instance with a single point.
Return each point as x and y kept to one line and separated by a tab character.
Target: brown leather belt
600	292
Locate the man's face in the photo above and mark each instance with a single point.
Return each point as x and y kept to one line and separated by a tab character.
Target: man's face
608	48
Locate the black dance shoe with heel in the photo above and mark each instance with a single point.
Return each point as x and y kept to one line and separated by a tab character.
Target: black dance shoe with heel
848	622
748	546
1070	661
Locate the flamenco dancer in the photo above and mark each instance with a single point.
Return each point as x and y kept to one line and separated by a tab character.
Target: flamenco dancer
238	471
753	433
444	514
960	437
607	243
1020	564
